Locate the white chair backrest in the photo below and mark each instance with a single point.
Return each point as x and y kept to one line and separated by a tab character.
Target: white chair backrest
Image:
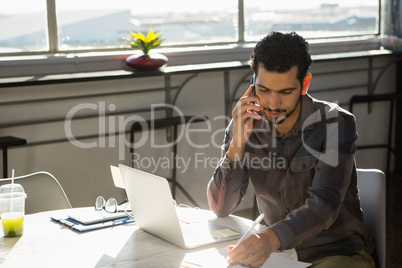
371	185
43	190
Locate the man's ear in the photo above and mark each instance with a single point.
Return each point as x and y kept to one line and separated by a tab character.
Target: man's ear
306	83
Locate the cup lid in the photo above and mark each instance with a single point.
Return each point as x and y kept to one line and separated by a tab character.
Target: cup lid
14	195
8	188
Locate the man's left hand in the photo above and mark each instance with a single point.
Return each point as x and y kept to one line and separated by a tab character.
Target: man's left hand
255	250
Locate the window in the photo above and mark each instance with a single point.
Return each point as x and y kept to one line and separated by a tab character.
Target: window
23	26
29	26
312	19
181	22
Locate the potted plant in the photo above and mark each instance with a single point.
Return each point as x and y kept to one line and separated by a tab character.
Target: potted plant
146	60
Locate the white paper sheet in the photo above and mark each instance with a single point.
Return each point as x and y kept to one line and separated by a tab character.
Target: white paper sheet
216	258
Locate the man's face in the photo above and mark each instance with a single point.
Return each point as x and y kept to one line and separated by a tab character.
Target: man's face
279	94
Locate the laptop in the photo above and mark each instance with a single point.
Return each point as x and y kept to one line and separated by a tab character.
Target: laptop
155	212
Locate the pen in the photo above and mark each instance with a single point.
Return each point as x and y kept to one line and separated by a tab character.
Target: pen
257	221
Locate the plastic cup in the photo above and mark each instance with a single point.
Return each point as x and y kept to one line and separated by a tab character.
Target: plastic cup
12	209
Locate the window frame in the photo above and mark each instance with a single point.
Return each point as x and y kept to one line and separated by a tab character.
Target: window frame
55	61
54	43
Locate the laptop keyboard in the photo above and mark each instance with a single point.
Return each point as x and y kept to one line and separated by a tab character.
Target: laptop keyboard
193	235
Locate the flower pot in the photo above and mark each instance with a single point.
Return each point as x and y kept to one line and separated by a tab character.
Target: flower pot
142	61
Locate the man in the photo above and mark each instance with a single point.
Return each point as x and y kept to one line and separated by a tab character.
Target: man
298	153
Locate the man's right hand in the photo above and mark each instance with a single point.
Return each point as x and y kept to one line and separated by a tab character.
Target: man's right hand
243	114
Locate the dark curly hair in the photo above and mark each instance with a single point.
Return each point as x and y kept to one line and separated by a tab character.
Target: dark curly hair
280	52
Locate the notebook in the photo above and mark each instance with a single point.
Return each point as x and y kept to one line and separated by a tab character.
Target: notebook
81	227
155	212
95	216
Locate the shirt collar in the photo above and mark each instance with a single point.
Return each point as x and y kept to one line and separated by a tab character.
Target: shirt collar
306	111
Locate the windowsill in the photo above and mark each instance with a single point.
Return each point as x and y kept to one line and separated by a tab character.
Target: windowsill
81	66
178	69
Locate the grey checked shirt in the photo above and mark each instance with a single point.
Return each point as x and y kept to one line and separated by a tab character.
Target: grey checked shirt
305	182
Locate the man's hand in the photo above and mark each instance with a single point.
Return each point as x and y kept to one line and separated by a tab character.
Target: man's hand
254	250
243	115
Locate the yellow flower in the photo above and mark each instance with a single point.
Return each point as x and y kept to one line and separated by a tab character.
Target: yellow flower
145	43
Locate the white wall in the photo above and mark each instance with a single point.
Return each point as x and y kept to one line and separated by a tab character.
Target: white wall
84	173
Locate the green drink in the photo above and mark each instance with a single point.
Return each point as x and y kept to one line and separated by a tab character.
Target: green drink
13	223
12	209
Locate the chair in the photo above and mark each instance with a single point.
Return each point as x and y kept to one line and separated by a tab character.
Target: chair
372	191
43	190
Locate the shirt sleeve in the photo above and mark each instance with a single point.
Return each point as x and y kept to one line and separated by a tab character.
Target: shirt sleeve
330	182
229	182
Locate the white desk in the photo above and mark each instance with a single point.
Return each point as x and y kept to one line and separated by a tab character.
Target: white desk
49	244
46	243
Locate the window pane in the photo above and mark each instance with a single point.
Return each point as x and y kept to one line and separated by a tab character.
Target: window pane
105	23
311	19
23	26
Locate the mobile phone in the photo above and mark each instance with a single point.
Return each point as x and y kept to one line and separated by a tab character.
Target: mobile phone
252	82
